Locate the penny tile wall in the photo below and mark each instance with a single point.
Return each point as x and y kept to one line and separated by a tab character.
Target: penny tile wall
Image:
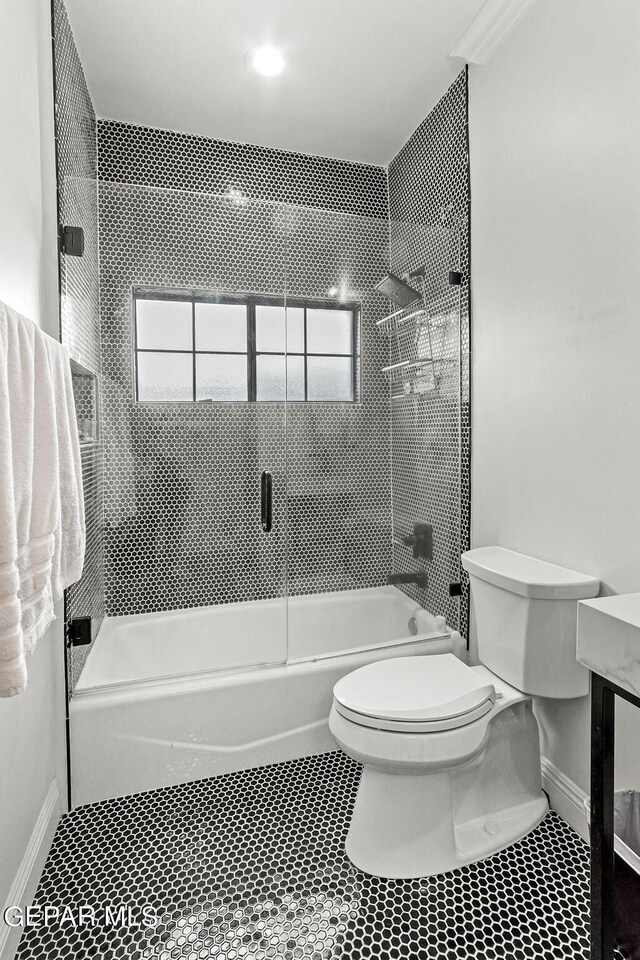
180	518
429	209
183	480
80	316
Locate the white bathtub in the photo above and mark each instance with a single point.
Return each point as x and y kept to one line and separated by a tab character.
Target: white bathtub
172	697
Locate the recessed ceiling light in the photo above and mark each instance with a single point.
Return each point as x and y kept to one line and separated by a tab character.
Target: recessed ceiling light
267	61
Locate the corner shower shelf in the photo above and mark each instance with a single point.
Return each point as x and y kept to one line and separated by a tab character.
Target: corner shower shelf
432	311
420	343
389	324
407	370
424	388
417	386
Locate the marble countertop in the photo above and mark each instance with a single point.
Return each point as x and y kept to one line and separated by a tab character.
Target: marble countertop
609	639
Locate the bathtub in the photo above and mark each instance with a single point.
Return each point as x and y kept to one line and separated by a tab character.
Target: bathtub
172	697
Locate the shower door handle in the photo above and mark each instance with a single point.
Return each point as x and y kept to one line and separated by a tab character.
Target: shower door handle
266	501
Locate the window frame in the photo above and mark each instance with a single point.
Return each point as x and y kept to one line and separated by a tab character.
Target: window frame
251	302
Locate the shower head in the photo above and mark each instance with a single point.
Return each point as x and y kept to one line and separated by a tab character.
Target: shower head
397	290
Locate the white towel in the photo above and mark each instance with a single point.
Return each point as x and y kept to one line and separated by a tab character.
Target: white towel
42	532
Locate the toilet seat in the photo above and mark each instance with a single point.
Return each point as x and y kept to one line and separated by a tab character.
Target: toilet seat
414	694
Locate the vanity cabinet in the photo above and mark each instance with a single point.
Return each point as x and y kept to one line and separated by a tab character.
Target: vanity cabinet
609	645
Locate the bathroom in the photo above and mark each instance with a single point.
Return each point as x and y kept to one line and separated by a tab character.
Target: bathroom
333	282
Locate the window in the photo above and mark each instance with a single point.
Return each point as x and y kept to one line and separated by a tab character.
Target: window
198	348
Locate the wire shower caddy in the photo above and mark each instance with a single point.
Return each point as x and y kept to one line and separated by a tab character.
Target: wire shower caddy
420	340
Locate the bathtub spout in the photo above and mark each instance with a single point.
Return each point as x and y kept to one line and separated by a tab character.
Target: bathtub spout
419	577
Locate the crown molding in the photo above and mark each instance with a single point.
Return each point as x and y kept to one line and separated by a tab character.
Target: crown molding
490	28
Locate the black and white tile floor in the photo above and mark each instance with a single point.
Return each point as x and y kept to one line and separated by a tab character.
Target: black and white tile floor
253	865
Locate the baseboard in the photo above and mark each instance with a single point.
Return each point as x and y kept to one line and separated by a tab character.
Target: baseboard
565	797
28	875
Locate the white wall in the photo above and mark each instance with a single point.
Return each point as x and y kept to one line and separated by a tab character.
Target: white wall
31	724
555	181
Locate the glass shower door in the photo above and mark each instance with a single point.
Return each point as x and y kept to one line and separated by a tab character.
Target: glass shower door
425	410
201	521
373	425
80	329
338	457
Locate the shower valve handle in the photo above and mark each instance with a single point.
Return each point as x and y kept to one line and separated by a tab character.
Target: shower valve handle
266	501
421	540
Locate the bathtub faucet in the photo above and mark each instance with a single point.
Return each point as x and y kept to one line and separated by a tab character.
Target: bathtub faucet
419	577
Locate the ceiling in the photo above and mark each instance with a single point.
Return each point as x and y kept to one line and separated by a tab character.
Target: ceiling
360	76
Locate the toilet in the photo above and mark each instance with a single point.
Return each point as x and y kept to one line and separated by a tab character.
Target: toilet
451	753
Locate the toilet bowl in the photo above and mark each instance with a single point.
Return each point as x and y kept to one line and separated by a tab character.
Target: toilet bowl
451	764
450	753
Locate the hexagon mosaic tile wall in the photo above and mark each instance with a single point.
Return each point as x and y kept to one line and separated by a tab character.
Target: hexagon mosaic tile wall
429	186
252	865
164	158
182	491
80	316
182	480
175	537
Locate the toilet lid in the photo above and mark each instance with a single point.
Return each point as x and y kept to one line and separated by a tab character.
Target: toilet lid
415	689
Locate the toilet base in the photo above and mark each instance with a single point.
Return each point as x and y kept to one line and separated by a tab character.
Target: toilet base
404	826
429	803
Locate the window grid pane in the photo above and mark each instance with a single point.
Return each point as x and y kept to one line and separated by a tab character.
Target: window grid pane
221	377
329	378
332	375
164	325
220	327
165	376
329	331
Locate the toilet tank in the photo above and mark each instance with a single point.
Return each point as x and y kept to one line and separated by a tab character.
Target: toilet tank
526	612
